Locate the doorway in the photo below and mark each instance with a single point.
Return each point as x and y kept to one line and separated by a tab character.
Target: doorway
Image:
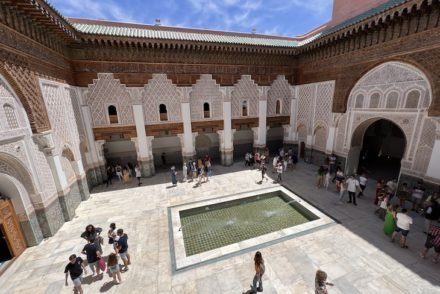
377	149
5	252
302	150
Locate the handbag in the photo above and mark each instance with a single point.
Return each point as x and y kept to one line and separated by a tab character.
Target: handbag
101	264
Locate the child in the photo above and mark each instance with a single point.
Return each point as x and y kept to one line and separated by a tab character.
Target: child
321	282
113	267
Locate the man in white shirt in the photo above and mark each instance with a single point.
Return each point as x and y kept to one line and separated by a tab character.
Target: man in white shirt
404	221
280	172
362	184
352	185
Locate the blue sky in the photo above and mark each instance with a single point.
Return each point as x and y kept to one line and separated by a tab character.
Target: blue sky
277	17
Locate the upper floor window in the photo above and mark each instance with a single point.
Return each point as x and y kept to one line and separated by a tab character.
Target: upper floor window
113	114
278	107
206	110
244	108
163	112
359	103
374	100
10	116
412	100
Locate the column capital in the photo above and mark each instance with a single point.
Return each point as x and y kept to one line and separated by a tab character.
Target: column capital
45	143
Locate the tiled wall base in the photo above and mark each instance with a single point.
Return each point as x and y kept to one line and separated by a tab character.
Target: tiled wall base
50	218
31	230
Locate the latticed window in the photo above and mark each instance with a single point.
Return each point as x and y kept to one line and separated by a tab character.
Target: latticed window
244	108
412	100
278	107
163	112
206	110
10	116
113	114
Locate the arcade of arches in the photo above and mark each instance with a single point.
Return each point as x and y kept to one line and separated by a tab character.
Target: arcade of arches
55	149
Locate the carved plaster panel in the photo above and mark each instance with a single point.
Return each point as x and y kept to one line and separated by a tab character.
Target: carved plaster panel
279	90
245	90
206	90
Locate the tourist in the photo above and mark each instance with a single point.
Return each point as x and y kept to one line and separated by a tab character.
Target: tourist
294	159
122	248
403	194
263	172
112	233
327	179
125	175
338	167
119	172
262	159
380	185
342	189
137	171
113	267
164	161
432	240
432	213
257	283
257	160
109	175
320	181
416	196
352	185
184	172
321	282
130	169
246	159
332	163
285	164
173	176
275	163
339	176
383	206
362	184
75	268
391	187
403	223
280	172
194	170
92	233
390	220
93	255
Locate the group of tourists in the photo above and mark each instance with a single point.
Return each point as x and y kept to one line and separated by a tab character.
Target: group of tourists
197	171
123	173
95	258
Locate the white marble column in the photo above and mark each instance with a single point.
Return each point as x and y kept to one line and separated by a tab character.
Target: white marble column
142	143
188	137
226	136
97	177
330	140
260	140
46	144
434	163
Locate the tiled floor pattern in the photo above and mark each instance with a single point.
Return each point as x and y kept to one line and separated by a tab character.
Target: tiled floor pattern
357	256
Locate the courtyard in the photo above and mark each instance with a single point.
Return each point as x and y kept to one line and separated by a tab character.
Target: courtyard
353	250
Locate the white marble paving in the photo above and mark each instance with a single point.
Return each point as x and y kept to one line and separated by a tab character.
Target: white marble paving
357	256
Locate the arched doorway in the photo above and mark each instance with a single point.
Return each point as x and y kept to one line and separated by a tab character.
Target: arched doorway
167	148
208	143
377	148
243	142
274	139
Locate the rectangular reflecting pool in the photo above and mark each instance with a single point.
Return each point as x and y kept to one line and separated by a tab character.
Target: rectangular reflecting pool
213	226
204	231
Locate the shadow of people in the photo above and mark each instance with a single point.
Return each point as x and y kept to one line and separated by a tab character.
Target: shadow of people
107	286
90	279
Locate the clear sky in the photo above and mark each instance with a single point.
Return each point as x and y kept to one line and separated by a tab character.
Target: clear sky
276	17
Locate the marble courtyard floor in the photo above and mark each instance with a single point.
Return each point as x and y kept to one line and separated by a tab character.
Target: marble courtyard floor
355	253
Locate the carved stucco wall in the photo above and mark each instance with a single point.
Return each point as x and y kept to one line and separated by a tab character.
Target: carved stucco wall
401	94
206	90
279	90
106	91
315	110
245	90
161	90
58	100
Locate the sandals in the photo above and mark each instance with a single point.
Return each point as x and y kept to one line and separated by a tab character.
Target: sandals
404	246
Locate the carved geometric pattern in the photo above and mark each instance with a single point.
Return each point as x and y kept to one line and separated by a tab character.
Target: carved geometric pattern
279	90
44	172
33	103
245	90
10	116
62	118
341	133
422	159
68	170
206	90
399	77
323	104
77	111
161	90
320	138
305	101
359	101
108	90
374	100
302	132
